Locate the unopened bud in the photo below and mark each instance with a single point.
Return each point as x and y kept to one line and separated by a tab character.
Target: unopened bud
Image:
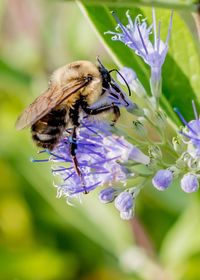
178	144
175	171
146	113
131	78
152	164
139	128
160	119
127	215
136	110
107	195
189	183
138	88
163	179
181	163
155	152
124	201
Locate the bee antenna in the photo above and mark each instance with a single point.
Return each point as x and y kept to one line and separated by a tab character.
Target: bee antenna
123	79
97	58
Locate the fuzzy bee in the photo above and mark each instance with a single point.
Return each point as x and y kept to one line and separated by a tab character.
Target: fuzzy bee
73	89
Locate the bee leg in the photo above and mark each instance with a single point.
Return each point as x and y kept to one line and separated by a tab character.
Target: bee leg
105	108
73	151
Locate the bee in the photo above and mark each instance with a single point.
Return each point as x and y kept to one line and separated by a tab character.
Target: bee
73	88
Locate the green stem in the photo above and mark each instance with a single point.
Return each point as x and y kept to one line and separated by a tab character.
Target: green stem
154	125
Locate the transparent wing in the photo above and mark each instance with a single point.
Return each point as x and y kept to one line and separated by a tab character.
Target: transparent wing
48	100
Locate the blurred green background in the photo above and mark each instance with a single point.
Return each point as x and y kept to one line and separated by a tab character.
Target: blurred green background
41	237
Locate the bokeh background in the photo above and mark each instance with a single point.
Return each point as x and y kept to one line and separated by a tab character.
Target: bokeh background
41	237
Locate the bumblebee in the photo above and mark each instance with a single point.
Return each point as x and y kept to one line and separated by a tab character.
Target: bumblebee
73	88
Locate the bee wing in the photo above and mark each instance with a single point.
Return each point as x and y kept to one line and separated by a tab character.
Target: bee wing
48	100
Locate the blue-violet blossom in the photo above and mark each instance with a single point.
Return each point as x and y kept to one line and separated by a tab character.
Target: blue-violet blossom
189	183
193	133
99	156
136	36
162	179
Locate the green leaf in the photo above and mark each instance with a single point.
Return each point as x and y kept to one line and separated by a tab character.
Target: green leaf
191	5
181	68
183	240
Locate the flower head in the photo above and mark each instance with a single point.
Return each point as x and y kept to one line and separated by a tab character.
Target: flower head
192	133
189	183
162	180
99	156
136	36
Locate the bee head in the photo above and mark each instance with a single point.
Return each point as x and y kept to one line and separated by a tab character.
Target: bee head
105	77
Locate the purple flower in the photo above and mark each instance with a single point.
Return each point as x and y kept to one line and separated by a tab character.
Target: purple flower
136	36
99	155
129	75
124	201
162	180
189	183
193	134
133	81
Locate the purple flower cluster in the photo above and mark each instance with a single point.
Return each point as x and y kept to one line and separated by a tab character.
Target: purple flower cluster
136	36
193	132
189	182
124	201
99	156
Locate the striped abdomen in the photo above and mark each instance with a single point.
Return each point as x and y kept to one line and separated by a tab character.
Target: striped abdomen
47	131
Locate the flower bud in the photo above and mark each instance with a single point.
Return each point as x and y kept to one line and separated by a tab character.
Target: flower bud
107	195
175	171
155	152
161	119
139	128
127	215
128	74
189	183
138	156
163	179
136	110
178	145
181	163
124	201
131	78
152	164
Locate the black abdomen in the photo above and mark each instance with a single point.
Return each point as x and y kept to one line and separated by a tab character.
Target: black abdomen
47	131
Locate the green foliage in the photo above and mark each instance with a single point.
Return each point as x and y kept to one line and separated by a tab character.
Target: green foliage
181	68
43	237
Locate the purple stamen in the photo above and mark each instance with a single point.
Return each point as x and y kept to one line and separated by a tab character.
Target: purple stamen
73	173
158	46
85	189
56	156
142	40
195	111
170	26
91	129
38	160
97	58
154	28
124	30
184	121
188	136
61	169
